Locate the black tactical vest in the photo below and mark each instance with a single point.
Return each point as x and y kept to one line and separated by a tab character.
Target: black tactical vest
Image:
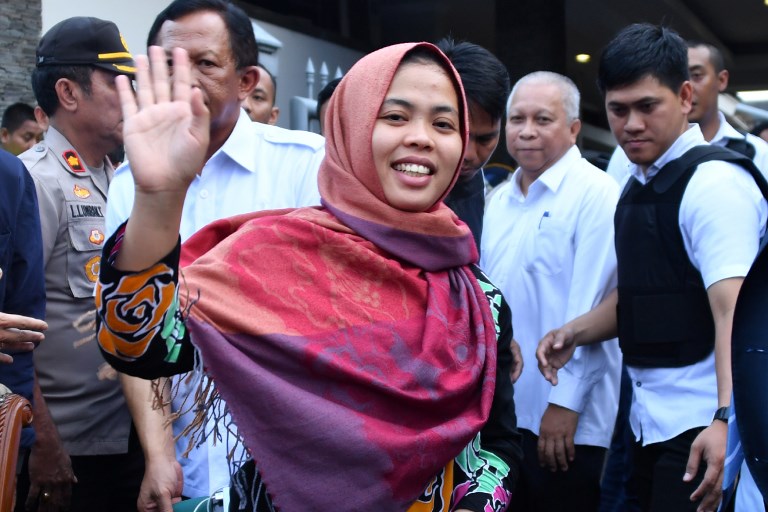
664	317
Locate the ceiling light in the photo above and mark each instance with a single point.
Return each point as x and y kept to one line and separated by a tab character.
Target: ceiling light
753	96
583	58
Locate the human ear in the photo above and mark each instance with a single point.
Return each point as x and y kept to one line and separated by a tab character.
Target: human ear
249	79
69	93
274	115
686	96
722	78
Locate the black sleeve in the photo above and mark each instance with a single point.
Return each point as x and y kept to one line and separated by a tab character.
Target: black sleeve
140	318
500	436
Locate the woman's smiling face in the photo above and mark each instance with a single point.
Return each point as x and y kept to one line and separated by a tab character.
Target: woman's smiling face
416	141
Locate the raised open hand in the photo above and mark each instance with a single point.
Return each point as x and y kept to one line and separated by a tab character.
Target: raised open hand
166	123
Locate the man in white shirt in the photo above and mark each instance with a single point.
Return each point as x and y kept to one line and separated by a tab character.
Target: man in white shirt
709	78
250	167
260	104
686	235
547	244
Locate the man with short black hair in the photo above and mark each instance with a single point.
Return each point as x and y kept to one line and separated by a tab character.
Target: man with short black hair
688	227
19	130
486	86
260	104
74	83
322	100
709	78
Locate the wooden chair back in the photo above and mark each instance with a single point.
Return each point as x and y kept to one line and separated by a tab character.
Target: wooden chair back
15	413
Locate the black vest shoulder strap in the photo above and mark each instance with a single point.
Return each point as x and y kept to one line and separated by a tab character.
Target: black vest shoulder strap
706	153
742	146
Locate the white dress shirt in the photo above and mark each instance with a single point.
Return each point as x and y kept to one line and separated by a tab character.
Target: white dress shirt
722	216
552	255
259	167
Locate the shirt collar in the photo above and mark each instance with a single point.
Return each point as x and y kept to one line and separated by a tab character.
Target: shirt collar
689	138
65	152
725	132
239	145
55	140
551	178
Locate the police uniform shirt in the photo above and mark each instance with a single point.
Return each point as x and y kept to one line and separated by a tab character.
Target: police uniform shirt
551	253
722	216
82	392
259	167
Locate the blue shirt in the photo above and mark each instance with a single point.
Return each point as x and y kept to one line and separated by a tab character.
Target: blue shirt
22	285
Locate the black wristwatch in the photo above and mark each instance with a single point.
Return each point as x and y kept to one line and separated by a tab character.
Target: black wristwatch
722	414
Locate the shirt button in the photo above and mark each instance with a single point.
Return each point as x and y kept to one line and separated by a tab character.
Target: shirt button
639	384
204	194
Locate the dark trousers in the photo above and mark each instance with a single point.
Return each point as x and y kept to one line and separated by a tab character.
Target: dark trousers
657	479
104	482
614	487
541	490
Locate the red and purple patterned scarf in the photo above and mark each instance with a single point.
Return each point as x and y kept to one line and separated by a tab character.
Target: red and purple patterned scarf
354	347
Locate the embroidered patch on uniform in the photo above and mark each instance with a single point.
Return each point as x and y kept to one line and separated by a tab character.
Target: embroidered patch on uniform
97	237
82	193
92	269
73	161
86	210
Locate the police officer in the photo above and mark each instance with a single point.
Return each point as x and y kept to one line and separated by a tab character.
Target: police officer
83	423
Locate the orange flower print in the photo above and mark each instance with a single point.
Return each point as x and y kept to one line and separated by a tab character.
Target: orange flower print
132	310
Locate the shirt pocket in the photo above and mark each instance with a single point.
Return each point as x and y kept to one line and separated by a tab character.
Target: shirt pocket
84	257
547	247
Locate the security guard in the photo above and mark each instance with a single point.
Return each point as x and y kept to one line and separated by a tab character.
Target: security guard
74	83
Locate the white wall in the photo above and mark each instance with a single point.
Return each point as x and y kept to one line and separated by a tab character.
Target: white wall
133	17
292	64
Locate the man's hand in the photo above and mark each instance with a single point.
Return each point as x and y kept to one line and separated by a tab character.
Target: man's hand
166	135
517	361
709	446
19	334
51	477
166	123
50	469
555	349
161	487
556	448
